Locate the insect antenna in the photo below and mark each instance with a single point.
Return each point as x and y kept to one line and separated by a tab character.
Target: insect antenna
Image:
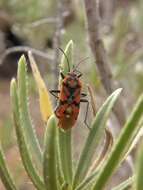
75	68
66	58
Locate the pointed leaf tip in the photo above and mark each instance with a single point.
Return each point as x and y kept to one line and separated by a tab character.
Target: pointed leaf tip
12	86
13	81
22	60
118	91
69	53
66	63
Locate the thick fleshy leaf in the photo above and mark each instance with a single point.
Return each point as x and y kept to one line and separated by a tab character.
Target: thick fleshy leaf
44	98
67	65
94	137
125	184
5	174
50	155
139	169
121	147
28	128
23	145
65	137
87	181
65	153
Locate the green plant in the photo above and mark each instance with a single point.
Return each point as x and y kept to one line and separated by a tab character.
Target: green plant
56	159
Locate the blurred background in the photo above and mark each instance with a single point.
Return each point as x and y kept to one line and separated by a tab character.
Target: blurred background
45	25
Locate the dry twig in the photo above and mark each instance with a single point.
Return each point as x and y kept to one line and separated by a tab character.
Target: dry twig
104	152
108	137
100	54
92	99
57	42
24	49
48	20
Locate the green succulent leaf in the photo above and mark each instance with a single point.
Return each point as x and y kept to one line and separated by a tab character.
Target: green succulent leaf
50	156
121	147
67	65
5	174
28	128
87	181
65	153
125	184
94	137
64	137
139	169
23	146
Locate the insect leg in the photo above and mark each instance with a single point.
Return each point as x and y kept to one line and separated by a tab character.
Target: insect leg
79	74
83	94
62	75
87	109
54	93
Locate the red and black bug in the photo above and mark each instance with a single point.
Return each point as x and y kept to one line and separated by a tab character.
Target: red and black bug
70	97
